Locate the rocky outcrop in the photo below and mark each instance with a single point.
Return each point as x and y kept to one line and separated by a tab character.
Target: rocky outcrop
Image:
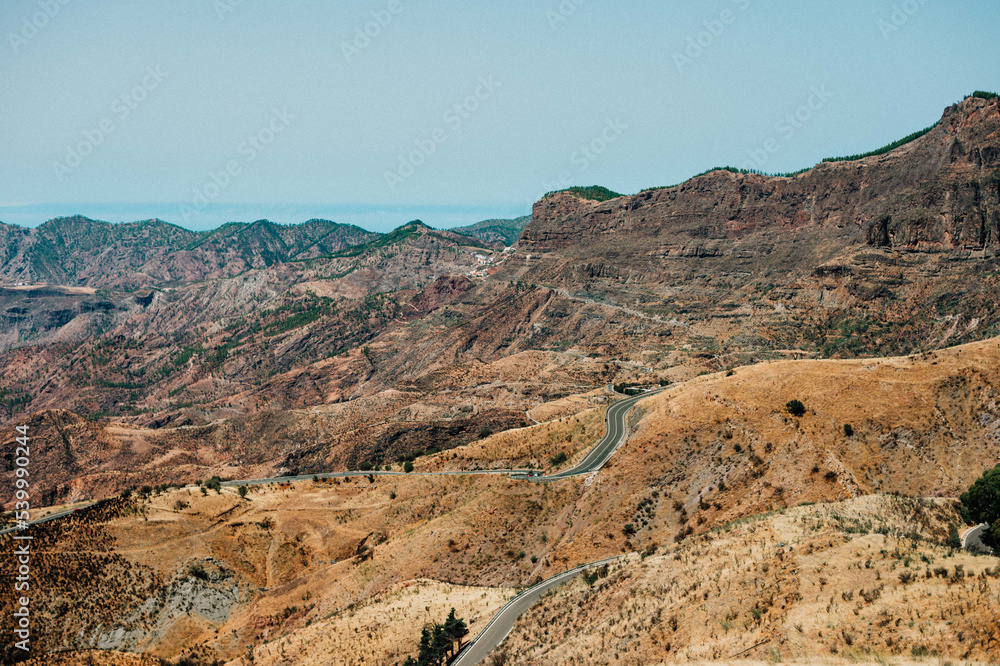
938	193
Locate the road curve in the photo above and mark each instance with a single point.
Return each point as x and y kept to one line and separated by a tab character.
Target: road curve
615	435
594	460
971	539
500	626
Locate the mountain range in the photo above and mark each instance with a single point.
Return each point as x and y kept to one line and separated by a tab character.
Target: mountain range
146	355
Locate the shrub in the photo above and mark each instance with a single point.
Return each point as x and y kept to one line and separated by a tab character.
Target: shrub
848	430
954	538
365	466
795	408
242	490
558	459
484	432
629	529
408	467
197	571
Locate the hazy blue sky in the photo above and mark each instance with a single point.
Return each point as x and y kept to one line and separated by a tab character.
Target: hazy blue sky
129	101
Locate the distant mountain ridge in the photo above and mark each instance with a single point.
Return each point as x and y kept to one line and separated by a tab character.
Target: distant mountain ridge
81	251
496	231
78	250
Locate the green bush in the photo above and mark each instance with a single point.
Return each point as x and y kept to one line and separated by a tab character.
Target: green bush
849	430
558	459
981	504
795	407
954	538
197	571
408	467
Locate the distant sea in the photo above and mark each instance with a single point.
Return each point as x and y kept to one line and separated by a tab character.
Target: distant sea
371	217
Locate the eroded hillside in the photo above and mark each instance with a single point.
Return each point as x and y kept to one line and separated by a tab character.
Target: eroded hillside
205	573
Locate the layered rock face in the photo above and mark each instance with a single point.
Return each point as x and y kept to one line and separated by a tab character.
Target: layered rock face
940	192
887	254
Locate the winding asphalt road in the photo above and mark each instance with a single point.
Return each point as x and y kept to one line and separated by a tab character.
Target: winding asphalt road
971	539
500	626
598	456
615	435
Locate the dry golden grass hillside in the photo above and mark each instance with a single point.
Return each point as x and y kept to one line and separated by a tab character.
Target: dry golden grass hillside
382	630
722	447
184	573
860	581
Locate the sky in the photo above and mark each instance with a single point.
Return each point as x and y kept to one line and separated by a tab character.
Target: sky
379	111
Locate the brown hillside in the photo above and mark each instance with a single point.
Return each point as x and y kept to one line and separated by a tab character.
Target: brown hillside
716	449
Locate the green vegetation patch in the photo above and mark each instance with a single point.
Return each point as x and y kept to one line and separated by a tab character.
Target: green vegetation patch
884	149
981	504
407	231
592	193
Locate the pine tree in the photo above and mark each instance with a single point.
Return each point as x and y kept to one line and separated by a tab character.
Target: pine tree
426	648
440	642
456	630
